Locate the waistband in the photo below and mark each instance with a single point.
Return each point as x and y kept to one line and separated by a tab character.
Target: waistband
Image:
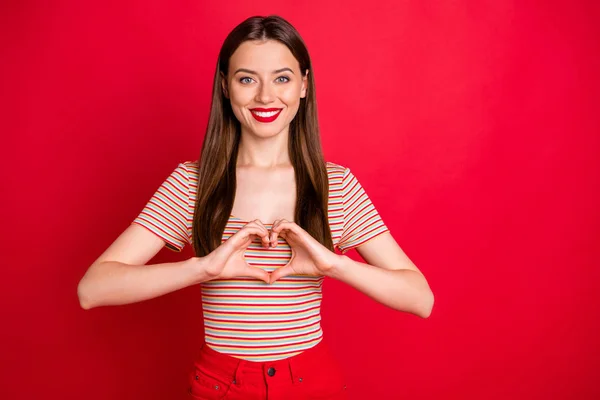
239	370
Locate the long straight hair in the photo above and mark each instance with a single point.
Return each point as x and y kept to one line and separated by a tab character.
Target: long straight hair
218	158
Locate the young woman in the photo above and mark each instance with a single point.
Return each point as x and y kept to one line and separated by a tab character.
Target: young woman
264	213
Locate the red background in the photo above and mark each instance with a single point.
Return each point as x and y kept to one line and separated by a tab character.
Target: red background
473	125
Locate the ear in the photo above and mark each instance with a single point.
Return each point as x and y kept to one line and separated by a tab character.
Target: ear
224	85
304	85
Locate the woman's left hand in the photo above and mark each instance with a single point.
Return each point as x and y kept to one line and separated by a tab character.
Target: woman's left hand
309	257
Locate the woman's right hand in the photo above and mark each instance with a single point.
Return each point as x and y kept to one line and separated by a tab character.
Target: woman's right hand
228	261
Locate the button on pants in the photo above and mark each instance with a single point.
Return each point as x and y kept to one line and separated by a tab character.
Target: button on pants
312	374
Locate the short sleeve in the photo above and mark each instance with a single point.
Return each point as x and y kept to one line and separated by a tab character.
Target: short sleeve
362	222
167	212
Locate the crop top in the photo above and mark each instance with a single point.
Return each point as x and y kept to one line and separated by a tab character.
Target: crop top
245	317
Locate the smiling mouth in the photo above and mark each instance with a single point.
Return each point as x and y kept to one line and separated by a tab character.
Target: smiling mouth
265	114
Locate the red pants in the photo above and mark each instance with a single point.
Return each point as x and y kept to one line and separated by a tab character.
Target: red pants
312	374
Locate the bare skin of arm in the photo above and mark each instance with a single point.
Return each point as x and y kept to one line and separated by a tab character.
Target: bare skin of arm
120	275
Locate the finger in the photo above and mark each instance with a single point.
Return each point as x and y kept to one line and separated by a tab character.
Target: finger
247	233
249	230
281	272
257	273
265	232
275	233
272	235
265	237
284	227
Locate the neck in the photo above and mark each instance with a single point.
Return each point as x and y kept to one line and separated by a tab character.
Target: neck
261	152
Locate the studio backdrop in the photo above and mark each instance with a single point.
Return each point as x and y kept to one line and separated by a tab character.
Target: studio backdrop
473	126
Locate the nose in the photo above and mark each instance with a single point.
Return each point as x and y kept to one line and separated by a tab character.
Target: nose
265	94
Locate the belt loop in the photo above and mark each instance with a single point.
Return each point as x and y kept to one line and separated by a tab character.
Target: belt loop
237	374
295	372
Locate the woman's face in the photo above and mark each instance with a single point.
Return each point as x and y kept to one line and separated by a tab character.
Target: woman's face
264	85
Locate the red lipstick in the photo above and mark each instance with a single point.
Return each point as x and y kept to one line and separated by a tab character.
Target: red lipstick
265	114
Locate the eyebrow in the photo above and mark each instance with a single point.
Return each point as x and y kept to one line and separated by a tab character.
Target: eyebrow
256	73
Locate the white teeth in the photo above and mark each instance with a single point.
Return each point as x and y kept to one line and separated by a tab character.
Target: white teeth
265	114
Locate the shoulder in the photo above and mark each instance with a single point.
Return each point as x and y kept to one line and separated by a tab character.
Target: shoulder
191	167
337	175
185	174
188	170
335	170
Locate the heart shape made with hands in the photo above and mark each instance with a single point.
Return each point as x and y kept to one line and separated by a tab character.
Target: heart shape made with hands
309	256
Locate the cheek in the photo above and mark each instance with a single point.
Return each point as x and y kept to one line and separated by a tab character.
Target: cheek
240	97
294	90
290	95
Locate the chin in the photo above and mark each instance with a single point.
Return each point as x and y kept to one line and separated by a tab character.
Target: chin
267	132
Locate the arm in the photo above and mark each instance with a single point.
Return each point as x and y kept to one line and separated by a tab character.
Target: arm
388	277
120	276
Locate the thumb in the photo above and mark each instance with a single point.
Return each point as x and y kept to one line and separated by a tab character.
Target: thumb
281	272
257	273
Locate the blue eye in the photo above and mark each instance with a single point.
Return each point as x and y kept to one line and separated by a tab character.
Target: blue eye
284	77
245	79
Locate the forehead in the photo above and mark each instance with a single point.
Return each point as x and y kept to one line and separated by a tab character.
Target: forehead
263	57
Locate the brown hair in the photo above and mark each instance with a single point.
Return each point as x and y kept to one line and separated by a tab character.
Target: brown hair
217	172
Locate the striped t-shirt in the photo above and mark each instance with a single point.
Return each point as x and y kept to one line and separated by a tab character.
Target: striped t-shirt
247	318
